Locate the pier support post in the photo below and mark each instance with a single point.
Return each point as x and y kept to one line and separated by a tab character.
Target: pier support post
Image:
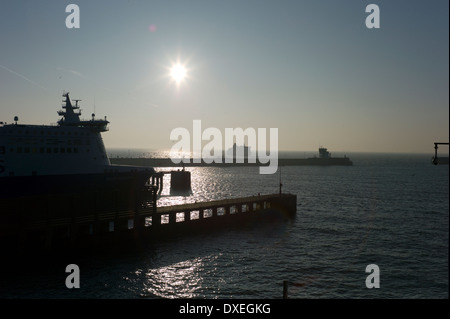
156	220
139	222
187	216
172	218
285	289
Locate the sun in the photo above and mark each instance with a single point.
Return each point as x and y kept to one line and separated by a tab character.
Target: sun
178	72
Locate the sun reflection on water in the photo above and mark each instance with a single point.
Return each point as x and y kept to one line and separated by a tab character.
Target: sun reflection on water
206	185
179	280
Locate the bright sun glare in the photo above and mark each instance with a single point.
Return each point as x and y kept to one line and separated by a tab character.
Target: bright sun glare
178	72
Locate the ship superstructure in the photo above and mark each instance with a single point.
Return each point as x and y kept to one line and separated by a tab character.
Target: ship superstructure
323	153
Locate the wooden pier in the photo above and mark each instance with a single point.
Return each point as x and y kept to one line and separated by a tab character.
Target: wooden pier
101	218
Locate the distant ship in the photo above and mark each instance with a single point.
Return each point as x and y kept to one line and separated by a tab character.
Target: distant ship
324	159
238	152
67	157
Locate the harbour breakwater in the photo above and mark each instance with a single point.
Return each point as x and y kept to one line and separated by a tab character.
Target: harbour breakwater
167	162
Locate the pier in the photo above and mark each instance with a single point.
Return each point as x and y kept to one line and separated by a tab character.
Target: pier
44	222
225	211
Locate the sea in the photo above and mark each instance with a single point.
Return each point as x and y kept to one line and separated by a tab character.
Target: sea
383	221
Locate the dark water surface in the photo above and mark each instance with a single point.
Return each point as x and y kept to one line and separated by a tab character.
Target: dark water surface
389	210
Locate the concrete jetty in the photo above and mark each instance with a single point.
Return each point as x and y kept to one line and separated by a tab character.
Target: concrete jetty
47	223
167	162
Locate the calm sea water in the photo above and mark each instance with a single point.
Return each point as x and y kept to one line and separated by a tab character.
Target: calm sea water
389	210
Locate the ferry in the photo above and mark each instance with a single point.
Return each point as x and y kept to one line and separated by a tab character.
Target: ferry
68	157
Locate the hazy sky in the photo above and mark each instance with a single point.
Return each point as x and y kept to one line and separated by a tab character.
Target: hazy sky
312	69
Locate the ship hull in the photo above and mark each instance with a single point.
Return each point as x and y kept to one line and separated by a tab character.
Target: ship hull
23	186
32	203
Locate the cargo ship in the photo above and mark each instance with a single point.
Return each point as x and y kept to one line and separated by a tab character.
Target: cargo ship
324	159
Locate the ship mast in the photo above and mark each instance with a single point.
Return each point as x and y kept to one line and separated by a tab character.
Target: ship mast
72	118
69	115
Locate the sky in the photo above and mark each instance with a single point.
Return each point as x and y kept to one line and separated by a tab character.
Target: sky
311	69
